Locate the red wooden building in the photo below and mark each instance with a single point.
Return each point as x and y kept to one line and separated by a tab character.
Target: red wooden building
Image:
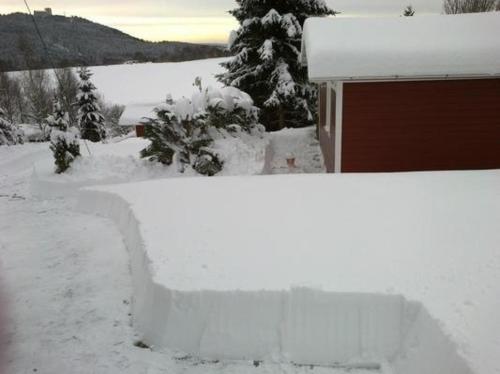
407	93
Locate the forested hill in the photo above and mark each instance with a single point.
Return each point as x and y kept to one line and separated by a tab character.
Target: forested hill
74	41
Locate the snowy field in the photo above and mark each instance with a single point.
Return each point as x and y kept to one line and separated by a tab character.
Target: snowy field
142	87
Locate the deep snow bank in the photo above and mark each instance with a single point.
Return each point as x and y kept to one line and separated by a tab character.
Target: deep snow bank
309	268
120	162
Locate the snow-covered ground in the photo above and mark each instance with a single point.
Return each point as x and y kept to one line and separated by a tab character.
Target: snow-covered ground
65	276
300	144
391	268
395	273
120	163
67	289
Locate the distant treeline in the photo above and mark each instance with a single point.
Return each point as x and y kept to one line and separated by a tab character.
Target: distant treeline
28	98
75	41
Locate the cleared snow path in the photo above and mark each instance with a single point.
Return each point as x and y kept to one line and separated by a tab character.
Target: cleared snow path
66	284
299	143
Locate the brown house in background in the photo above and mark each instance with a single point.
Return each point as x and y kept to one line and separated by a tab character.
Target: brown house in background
407	94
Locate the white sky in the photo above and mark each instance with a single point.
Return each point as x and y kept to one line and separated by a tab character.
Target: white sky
193	20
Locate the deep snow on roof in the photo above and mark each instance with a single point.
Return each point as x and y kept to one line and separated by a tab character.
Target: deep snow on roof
419	46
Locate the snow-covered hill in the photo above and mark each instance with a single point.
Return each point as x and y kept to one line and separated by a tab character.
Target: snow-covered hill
74	41
141	87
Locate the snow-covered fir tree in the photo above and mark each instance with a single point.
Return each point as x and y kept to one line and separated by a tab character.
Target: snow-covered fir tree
167	135
63	140
9	132
409	11
266	63
184	130
90	119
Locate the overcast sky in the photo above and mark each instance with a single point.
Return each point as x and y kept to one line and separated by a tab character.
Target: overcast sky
193	20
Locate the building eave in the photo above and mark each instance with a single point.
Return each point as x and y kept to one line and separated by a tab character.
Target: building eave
402	78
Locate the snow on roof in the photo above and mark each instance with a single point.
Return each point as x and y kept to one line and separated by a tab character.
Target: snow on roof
421	46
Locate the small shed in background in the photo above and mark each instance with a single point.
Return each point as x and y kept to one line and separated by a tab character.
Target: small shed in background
134	115
407	94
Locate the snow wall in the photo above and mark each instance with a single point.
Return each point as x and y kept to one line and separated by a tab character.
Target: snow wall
299	325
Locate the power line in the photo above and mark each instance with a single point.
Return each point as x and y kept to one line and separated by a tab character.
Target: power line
44	45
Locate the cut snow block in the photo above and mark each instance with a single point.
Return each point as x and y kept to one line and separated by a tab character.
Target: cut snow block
325	328
332	270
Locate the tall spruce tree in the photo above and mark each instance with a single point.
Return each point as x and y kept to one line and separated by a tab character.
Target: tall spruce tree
9	133
266	64
90	119
63	141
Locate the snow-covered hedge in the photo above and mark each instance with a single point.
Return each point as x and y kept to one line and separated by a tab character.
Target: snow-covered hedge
185	129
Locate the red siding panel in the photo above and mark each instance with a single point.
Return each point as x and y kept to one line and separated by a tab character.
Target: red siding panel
419	126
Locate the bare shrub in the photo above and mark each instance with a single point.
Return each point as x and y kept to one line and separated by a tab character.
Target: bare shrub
469	6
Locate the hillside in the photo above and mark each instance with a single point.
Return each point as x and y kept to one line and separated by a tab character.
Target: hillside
76	41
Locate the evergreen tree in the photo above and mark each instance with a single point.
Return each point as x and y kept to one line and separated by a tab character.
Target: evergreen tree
167	136
266	63
9	133
409	11
182	135
90	119
63	140
184	131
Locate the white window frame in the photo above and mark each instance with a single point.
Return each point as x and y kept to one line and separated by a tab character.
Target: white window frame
328	122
